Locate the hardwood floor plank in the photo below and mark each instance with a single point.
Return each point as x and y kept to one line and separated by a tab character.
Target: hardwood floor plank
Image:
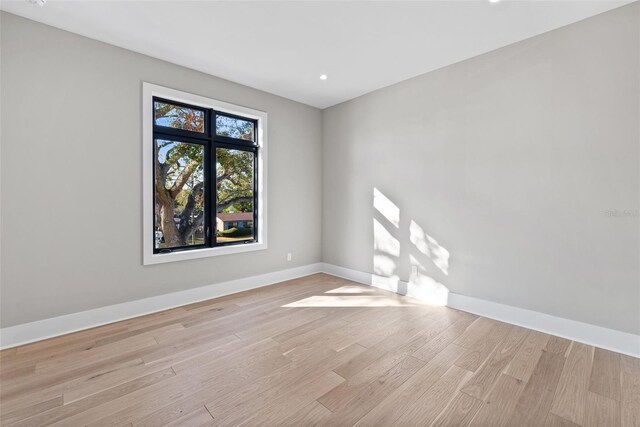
231	396
18	374
172	413
605	374
406	342
261	358
432	402
629	363
443	339
556	421
630	392
601	411
45	387
50	346
405	396
7	418
311	415
276	325
460	412
350	412
394	355
97	354
407	320
558	345
476	330
484	378
480	350
175	353
60	413
309	332
281	409
355	330
411	338
225	352
351	388
94	384
571	395
236	405
30	359
198	418
500	403
170	326
536	399
526	359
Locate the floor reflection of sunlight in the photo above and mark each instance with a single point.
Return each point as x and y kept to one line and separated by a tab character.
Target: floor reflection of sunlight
429	247
350	290
386	207
350	301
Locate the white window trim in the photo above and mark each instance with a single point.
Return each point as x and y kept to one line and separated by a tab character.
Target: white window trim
148	92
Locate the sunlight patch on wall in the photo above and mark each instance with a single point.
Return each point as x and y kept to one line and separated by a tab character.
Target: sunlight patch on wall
387	256
386	207
429	247
387	283
424	287
384	265
383	241
386	248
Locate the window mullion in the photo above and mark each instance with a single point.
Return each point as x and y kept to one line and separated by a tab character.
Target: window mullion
214	195
213	192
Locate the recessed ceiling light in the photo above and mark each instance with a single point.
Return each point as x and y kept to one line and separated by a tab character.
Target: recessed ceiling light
494	1
323	77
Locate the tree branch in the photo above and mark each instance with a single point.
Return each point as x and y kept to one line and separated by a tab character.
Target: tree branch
188	227
226	176
183	178
161	177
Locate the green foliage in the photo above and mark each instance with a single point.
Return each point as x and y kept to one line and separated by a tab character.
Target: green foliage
179	117
236	232
234	179
178	156
239	207
234	128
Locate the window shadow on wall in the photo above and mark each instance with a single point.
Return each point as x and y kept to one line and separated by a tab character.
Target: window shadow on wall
391	258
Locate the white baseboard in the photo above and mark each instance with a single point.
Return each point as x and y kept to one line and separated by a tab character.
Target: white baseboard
42	329
610	339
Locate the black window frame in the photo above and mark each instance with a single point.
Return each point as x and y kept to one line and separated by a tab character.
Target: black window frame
210	141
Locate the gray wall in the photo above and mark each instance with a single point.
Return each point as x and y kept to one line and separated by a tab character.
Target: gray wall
71	176
509	161
516	172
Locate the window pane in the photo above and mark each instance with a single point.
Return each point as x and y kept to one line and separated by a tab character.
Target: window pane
178	117
179	194
234	178
234	128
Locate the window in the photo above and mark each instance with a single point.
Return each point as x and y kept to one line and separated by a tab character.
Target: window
203	176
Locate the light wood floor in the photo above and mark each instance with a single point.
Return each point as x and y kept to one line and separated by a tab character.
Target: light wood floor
316	351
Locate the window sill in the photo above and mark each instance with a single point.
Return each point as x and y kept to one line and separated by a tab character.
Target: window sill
150	259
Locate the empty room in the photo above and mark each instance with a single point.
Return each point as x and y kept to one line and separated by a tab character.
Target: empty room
320	213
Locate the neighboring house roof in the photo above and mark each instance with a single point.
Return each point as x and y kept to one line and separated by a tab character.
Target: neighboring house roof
237	216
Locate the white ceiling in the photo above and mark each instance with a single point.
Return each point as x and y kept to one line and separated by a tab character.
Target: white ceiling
283	47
